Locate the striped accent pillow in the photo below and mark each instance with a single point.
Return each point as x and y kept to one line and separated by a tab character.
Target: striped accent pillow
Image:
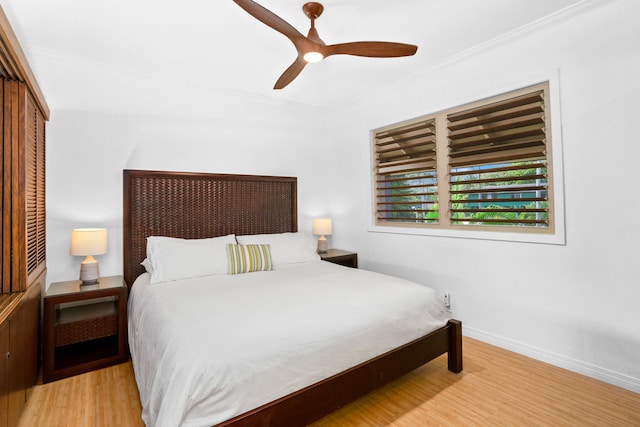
248	258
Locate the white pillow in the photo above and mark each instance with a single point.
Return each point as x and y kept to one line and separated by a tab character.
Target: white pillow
147	265
286	248
174	259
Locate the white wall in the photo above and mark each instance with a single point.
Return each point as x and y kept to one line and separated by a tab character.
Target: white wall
575	305
160	126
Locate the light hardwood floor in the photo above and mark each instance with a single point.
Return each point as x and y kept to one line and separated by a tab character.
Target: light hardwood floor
497	387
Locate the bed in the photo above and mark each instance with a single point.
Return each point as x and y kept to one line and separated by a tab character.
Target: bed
205	206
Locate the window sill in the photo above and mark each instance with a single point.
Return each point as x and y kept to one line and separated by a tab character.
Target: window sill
548	239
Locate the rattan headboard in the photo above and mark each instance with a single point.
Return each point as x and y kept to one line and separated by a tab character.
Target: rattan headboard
200	205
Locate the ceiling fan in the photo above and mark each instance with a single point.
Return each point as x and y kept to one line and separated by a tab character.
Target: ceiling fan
311	48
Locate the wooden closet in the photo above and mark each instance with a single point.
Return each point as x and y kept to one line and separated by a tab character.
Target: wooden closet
22	231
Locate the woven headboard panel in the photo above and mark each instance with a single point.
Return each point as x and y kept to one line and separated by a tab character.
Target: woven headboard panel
200	205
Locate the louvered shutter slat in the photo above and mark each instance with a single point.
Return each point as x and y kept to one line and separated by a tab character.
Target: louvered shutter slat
498	164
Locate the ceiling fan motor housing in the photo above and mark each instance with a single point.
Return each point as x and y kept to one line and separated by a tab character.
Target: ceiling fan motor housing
313	10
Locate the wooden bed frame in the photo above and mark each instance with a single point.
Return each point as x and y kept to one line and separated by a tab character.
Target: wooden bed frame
199	205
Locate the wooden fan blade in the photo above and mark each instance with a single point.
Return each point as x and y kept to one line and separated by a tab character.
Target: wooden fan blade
370	49
290	73
271	19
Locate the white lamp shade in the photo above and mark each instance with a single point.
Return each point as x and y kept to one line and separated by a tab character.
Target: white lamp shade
88	241
322	226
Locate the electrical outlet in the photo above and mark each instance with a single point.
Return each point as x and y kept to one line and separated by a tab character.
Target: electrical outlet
447	299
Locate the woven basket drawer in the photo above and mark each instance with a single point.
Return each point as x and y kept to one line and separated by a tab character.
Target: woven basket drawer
85	323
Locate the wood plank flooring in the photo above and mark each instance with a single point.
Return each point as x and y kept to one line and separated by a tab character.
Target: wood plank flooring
496	388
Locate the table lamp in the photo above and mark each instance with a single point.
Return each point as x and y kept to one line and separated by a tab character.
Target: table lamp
88	242
322	227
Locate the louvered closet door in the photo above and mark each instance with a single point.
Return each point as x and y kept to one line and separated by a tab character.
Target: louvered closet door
22	231
5	283
35	219
22	163
10	152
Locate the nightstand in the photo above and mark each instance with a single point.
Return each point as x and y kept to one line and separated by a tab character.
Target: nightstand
337	256
85	327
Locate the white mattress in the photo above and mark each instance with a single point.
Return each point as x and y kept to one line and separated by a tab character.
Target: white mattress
205	350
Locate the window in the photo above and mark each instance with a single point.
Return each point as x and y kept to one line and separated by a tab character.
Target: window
482	166
406	175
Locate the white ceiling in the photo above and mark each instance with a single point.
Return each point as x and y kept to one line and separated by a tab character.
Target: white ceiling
214	44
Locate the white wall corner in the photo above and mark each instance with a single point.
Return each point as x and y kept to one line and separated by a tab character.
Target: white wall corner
602	374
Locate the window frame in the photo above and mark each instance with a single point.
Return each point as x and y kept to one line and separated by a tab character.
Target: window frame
554	234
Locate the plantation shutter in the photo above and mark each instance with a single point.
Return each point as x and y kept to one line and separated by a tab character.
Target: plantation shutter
31	184
405	173
498	163
41	211
35	185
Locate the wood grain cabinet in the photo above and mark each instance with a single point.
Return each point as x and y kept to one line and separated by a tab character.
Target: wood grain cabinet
338	256
5	354
19	342
22	230
85	327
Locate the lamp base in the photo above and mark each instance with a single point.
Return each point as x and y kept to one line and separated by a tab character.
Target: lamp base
323	245
89	273
89	283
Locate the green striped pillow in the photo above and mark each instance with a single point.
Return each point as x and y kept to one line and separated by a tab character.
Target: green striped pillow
248	258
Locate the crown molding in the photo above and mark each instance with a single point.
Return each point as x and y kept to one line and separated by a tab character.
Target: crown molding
554	18
19	68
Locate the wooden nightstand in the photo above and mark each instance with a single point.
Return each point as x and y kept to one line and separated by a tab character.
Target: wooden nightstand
85	327
337	256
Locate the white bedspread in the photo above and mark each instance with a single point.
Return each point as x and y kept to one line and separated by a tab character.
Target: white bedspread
205	350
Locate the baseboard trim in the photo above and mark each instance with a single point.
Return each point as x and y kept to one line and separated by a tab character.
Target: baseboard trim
602	374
